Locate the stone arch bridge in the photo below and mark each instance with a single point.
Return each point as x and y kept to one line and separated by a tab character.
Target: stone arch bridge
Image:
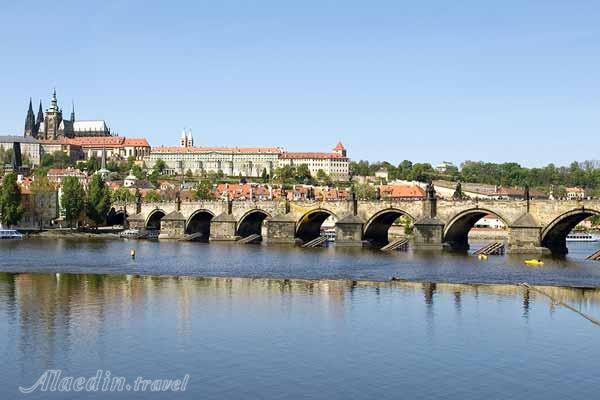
533	226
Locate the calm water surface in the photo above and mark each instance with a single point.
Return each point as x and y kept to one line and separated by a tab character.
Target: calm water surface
195	259
284	339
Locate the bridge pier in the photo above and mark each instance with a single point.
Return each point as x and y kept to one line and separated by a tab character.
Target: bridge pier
349	231
429	230
172	226
136	221
428	234
280	229
222	228
524	236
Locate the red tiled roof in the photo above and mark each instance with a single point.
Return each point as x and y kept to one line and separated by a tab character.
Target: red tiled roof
61	141
87	141
307	155
401	191
137	142
339	146
175	149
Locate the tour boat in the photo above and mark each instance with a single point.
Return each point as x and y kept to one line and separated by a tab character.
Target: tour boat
130	234
10	234
582	237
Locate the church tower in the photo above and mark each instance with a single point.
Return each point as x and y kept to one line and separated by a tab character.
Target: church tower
30	122
183	139
189	139
52	119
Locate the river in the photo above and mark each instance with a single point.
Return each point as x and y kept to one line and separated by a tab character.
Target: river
224	317
197	259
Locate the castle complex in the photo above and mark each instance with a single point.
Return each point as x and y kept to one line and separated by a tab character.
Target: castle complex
51	132
51	125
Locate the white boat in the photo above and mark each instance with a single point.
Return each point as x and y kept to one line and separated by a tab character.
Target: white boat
582	237
329	234
10	234
130	234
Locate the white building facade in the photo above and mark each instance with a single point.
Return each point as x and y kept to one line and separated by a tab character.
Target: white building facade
244	161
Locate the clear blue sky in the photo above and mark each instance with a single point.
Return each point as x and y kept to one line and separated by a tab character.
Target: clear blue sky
510	80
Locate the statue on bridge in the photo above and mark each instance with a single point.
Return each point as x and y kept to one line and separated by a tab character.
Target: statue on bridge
138	201
430	191
458	193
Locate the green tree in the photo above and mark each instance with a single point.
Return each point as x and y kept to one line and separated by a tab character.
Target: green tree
152	197
365	191
264	176
204	190
98	200
153	178
189	173
122	194
72	199
137	171
130	162
160	166
323	178
303	175
10	200
92	165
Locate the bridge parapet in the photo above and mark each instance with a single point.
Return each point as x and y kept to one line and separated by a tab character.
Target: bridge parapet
531	225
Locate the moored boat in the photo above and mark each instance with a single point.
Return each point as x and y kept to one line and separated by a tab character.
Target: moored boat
10	234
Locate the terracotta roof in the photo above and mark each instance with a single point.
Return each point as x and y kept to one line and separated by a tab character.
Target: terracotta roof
138	142
98	140
176	149
339	146
307	155
108	141
62	141
401	191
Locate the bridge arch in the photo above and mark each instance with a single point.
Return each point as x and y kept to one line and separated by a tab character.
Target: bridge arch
199	223
554	235
377	227
153	219
309	226
116	217
456	231
251	222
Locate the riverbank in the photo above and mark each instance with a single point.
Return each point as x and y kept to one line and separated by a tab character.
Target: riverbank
73	234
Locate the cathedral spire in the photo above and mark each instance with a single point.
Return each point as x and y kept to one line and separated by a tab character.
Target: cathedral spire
30	121
54	102
40	115
73	112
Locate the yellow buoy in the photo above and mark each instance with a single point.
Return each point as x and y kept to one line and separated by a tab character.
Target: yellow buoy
132	253
482	256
